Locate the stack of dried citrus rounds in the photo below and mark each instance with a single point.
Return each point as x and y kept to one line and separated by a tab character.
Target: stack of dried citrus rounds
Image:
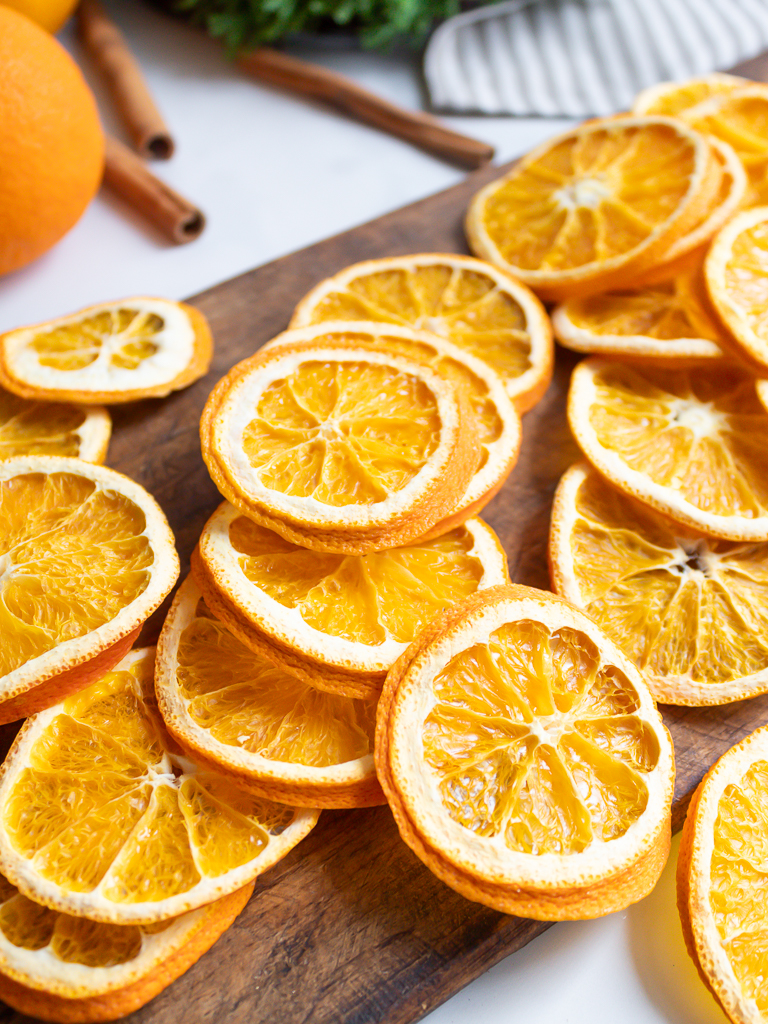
650	232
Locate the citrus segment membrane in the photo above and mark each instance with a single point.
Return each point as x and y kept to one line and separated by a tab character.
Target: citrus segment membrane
103	818
85	556
668	320
691	442
526	753
38	428
736	272
76	959
497	424
688	609
113	352
589	208
338	621
721	879
470	303
274	734
339	447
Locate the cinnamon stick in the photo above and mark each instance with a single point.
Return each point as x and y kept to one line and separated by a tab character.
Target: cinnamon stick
110	51
421	129
171	213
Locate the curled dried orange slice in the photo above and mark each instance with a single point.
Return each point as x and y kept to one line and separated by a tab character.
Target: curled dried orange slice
690	610
469	302
672	98
721	879
103	817
63	968
86	555
264	728
740	118
497	424
589	210
691	442
736	272
666	321
337	621
524	758
113	352
52	428
340	447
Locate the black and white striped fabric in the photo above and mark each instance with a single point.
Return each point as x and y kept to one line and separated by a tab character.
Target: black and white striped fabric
576	58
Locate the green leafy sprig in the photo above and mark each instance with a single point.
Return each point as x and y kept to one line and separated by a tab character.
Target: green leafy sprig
243	24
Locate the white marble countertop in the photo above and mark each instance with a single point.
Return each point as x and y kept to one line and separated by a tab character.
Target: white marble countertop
274	173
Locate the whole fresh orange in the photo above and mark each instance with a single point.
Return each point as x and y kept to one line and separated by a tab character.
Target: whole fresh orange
51	14
51	143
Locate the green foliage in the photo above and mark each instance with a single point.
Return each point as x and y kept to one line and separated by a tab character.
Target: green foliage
247	23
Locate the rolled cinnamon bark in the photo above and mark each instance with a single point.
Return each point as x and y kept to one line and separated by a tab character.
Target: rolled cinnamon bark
110	51
170	212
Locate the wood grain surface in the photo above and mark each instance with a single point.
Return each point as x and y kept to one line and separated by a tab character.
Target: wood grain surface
350	928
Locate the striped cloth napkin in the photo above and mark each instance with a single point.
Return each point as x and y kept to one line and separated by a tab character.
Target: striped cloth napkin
580	58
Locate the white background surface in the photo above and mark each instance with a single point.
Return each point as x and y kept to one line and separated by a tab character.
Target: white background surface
274	173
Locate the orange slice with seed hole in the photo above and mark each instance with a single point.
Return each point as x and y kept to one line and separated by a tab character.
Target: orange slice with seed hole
690	610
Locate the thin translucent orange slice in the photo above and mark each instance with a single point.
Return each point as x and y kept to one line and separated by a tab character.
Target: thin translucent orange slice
688	609
590	209
525	758
277	736
337	621
692	443
110	353
340	447
672	98
469	302
86	555
721	880
102	817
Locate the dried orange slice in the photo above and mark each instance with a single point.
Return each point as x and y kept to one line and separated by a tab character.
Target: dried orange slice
662	321
721	880
688	252
262	727
47	428
693	443
671	98
740	118
102	817
497	424
688	609
736	272
113	352
62	968
469	302
86	555
337	621
590	209
524	758
339	447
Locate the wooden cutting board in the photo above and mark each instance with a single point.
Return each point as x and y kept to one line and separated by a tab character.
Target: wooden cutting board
350	928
